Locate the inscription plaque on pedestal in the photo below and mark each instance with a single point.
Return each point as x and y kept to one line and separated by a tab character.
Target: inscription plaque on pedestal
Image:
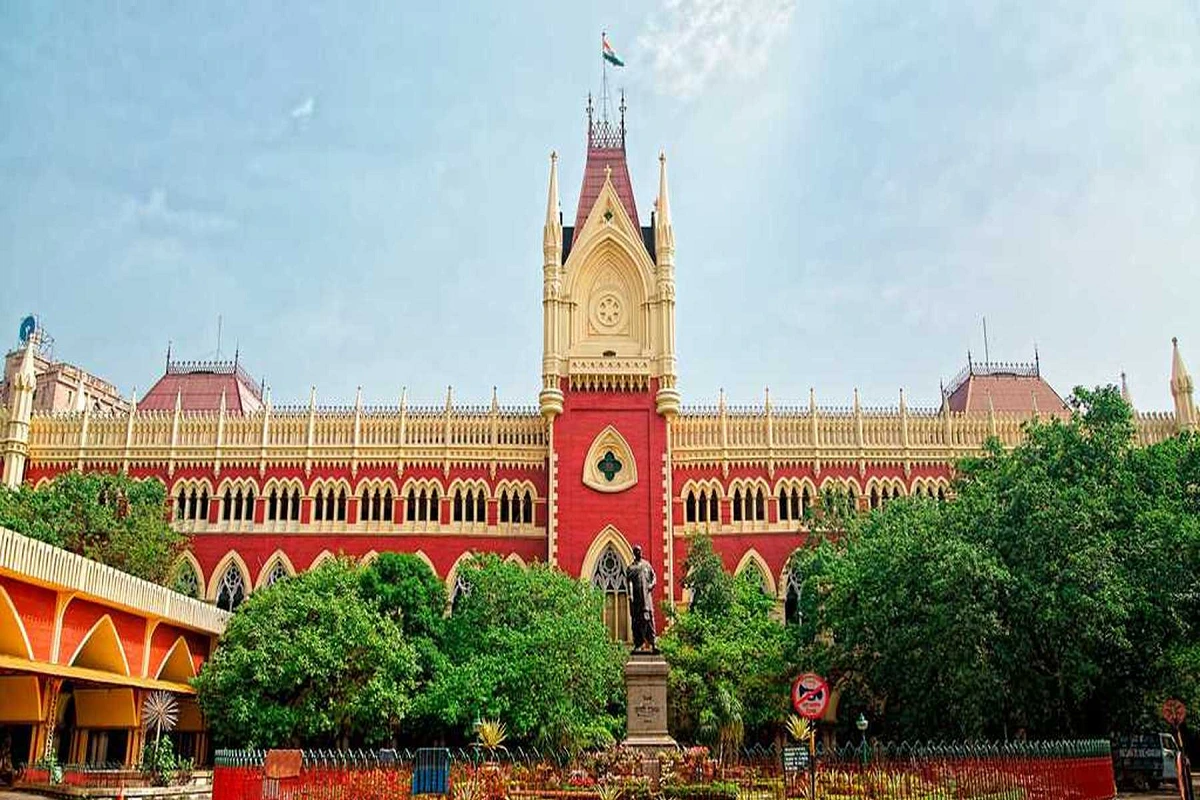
646	702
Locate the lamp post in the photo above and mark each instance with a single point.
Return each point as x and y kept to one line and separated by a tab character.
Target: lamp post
862	724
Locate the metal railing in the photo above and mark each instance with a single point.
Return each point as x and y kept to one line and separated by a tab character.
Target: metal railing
1066	770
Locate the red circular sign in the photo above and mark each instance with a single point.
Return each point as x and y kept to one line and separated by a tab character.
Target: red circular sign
810	695
1174	711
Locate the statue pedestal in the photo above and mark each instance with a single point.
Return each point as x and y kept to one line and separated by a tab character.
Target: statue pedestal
646	703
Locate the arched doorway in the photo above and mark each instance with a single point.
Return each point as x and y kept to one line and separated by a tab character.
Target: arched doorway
609	577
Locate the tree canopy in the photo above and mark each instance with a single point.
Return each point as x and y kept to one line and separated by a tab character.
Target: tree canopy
110	517
726	653
1055	593
310	661
527	645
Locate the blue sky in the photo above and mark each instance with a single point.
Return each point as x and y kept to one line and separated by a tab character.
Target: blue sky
358	189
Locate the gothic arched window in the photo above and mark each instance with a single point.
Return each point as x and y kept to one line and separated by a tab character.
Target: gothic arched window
527	508
461	590
791	598
737	505
187	581
278	572
609	577
232	589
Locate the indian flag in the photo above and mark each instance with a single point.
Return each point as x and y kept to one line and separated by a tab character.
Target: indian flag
610	55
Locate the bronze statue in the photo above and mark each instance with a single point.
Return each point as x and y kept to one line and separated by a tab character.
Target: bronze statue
640	580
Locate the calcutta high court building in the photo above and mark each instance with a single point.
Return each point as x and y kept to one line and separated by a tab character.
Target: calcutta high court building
608	459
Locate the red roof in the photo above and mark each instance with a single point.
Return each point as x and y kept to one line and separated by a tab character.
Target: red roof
200	385
606	150
1011	391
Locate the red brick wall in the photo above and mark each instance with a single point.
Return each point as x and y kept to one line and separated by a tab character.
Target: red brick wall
583	512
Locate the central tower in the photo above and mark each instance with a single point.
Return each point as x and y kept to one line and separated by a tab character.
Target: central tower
608	362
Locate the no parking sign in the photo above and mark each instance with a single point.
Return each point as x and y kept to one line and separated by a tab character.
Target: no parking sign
810	695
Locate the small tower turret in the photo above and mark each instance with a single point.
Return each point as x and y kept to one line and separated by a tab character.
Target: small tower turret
550	400
20	411
667	400
1181	390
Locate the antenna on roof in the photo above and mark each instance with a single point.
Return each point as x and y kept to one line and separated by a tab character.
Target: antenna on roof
986	356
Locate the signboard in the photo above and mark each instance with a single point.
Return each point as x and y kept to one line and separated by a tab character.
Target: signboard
795	759
810	695
1174	712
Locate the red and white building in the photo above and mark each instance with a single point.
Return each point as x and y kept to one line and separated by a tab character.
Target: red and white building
609	457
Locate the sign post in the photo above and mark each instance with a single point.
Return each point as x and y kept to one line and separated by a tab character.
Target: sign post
810	698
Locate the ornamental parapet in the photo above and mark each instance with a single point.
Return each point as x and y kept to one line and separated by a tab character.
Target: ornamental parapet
739	435
36	561
294	435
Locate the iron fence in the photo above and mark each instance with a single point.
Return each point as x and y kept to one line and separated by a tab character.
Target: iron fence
1068	770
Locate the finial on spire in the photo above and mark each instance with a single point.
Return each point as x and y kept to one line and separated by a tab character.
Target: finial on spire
812	399
168	354
1037	361
358	399
449	397
312	398
495	400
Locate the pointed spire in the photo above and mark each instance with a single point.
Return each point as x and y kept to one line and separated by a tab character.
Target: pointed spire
168	368
179	400
1181	390
403	398
903	407
133	401
664	203
358	399
312	398
721	400
1125	390
812	399
1180	377
222	402
495	400
266	395
26	376
856	406
552	195
767	398
449	397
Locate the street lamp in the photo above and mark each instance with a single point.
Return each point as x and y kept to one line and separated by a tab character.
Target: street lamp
861	723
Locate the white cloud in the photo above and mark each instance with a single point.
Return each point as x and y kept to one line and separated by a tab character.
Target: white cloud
305	109
691	43
155	212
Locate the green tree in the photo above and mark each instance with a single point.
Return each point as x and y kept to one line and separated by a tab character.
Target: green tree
728	677
309	662
527	646
1054	593
404	587
109	517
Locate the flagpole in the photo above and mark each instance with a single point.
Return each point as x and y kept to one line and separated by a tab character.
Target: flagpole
603	78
